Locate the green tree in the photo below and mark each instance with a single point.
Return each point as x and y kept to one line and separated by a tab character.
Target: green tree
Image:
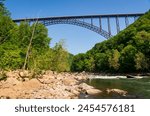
78	62
127	58
101	62
142	40
89	64
10	57
3	9
141	61
41	40
42	61
39	46
60	58
23	34
114	60
6	26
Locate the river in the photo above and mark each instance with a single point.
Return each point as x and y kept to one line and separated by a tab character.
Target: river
136	88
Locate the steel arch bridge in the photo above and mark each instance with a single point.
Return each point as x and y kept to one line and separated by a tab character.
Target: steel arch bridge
82	22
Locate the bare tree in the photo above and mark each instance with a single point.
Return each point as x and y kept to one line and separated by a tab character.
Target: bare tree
30	44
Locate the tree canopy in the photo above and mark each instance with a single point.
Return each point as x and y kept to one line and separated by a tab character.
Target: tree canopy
3	9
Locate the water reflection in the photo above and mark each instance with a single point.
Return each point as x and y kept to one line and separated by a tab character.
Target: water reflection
136	88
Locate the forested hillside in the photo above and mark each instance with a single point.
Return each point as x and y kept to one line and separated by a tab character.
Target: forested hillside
26	46
129	51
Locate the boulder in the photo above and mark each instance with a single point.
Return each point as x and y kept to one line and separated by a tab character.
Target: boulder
93	91
69	82
84	86
12	74
10	82
117	91
75	92
24	73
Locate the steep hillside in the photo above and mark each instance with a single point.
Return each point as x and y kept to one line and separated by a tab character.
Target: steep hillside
129	51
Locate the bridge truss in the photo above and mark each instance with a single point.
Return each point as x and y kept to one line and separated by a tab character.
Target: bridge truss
82	22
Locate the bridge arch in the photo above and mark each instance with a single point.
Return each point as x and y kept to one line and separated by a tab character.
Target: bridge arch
78	23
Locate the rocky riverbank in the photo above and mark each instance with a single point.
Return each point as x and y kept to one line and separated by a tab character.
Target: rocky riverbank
21	84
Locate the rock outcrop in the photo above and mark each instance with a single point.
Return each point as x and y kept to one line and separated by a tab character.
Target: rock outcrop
48	85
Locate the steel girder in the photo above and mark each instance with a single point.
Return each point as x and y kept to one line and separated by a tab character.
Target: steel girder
78	23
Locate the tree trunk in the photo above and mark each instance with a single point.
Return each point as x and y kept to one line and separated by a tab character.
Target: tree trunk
30	44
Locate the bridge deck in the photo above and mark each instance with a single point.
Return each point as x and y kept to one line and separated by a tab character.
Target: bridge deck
80	17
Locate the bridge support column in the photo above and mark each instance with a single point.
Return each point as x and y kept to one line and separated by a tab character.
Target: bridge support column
91	21
100	24
83	19
135	18
126	21
117	24
109	28
44	22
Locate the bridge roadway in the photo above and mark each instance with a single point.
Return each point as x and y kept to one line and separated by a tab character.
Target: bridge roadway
80	21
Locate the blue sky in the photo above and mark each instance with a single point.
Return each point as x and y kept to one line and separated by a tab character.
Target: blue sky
77	39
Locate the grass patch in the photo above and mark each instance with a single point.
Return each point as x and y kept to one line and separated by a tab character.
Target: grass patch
3	76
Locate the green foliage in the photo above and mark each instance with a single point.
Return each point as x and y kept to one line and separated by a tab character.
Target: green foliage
41	40
141	61
61	58
114	60
6	26
78	62
42	61
127	58
14	42
3	76
10	57
89	63
3	9
129	51
101	62
22	33
81	62
142	41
